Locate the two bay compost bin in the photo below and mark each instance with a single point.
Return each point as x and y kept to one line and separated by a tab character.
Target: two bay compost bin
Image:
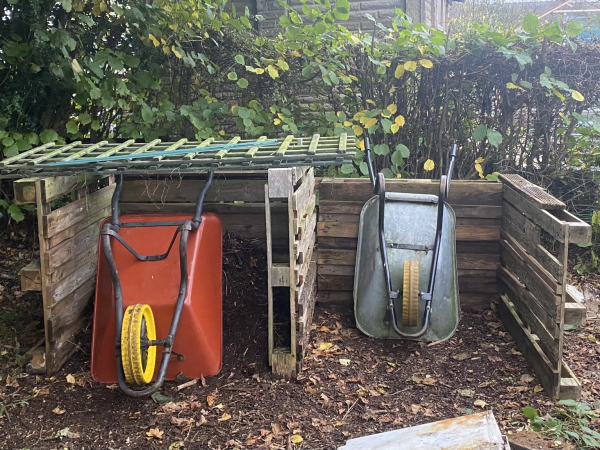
511	236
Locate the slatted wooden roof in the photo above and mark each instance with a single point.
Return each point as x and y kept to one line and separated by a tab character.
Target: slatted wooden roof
159	157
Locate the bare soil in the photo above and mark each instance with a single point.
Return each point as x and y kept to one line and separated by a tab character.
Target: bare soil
350	385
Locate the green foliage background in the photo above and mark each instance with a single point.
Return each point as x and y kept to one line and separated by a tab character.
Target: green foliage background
100	69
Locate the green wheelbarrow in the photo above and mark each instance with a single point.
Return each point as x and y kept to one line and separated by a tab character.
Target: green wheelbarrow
406	263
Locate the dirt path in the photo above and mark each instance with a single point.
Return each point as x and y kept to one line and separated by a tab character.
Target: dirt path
350	385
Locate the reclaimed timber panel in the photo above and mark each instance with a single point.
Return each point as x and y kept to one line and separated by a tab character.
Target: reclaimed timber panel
535	194
55	292
69	215
70	309
52	188
475	261
303	194
306	304
570	387
89	256
579	231
71	248
461	192
545	294
190	208
87	220
336	257
186	190
549	377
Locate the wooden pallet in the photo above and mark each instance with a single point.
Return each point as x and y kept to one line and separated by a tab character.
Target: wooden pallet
534	280
298	273
66	270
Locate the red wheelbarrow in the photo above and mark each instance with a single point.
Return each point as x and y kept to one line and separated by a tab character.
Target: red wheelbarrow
142	293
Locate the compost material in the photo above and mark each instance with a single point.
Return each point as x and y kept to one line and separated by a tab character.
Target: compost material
350	385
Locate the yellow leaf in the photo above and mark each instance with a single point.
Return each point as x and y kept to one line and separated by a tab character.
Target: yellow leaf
392	108
395	127
347	124
421	49
154	40
387	63
371	102
166	49
411	66
273	72
426	63
370	122
577	96
361	145
558	94
277	121
325	345
224	417
479	170
296	439
359	114
479	160
344	362
399	121
155	433
399	71
176	52
538	388
384	114
357	130
392	90
259	70
296	53
381	70
70	379
429	165
222	132
398	175
163	41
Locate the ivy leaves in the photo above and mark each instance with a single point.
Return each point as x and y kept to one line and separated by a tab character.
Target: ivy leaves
482	131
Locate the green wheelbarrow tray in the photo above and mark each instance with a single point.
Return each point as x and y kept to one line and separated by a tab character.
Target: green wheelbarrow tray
409	221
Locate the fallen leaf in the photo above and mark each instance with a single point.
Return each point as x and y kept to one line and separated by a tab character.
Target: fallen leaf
70	379
417	379
211	399
538	388
59	411
154	433
112	386
157	397
344	362
466	393
311	390
479	403
276	428
526	378
461	356
591	338
324	329
224	417
176	445
325	345
202	421
296	439
429	381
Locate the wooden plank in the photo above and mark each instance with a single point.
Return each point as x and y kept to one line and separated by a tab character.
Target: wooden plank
280	182
306	303
24	191
476	302
280	274
547	297
575	314
527	233
512	283
545	220
269	274
336	257
548	376
69	309
87	220
187	190
533	265
461	211
579	231
474	261
55	292
335	283
301	219
89	256
463	232
72	247
292	297
329	269
252	150
312	148
52	188
479	247
284	364
332	242
190	208
343	218
31	276
477	281
335	298
303	194
61	350
547	337
68	215
302	270
461	192
303	246
531	243
570	387
534	193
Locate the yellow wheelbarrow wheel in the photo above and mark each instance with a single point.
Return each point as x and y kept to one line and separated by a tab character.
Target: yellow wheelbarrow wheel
410	294
138	362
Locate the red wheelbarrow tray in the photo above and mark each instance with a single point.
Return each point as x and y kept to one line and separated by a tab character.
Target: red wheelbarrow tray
198	345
